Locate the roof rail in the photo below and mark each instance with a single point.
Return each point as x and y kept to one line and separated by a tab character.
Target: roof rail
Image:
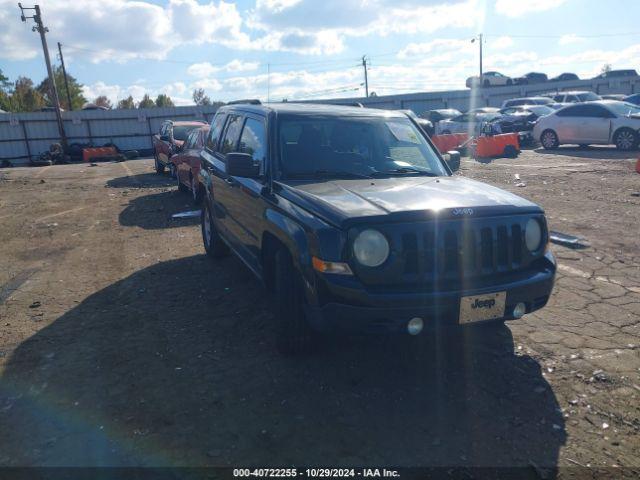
250	101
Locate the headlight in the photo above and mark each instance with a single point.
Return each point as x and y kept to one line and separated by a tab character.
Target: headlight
533	235
371	248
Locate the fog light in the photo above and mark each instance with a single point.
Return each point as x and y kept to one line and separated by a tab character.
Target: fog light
414	327
519	310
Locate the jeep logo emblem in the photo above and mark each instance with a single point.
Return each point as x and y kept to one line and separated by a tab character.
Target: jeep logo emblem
462	211
483	303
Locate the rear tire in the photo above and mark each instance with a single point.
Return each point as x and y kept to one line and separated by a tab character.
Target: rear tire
625	139
294	335
213	244
158	166
181	186
549	140
509	82
196	191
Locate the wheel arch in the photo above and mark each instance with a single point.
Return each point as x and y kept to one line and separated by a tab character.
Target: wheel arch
283	232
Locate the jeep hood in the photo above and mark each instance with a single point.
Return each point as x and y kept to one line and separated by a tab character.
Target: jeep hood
342	202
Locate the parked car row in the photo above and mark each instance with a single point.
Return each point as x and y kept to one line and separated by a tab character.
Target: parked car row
554	119
496	79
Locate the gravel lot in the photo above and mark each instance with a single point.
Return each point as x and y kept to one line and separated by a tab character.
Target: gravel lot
122	344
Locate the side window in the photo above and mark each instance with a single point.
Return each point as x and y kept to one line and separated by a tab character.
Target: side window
597	111
191	139
558	98
575	111
231	134
572	99
213	138
254	140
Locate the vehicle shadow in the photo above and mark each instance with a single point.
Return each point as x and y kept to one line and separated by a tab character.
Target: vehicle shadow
143	374
142	180
154	211
593	152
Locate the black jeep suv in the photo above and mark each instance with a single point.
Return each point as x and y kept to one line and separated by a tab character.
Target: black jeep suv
353	221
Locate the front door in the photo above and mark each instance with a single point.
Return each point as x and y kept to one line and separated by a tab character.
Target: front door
221	184
244	207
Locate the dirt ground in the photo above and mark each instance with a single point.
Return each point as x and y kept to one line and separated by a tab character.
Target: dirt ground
122	344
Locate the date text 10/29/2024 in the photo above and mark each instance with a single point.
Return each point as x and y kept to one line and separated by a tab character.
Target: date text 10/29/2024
315	472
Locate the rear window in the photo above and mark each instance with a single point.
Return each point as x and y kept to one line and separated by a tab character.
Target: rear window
588	97
181	132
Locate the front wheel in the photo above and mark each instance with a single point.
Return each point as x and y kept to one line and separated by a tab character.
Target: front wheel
549	140
294	333
213	244
625	139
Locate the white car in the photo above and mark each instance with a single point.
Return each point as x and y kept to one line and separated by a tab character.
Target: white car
603	122
469	122
489	79
574	96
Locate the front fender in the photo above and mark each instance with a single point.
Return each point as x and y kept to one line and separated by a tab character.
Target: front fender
293	236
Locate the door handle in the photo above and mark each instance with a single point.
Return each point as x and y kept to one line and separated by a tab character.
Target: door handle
231	181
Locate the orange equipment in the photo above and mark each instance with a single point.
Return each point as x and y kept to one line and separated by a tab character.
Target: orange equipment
89	154
449	141
506	144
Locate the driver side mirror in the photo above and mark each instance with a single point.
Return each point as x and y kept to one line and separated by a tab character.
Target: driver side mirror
242	165
452	157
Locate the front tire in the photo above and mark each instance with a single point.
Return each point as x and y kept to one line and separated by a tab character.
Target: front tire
549	140
625	139
294	335
213	244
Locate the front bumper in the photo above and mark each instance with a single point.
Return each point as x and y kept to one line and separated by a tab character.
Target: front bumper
358	310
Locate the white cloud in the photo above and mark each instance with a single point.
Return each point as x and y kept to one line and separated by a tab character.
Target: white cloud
120	30
438	45
517	8
206	69
501	43
570	39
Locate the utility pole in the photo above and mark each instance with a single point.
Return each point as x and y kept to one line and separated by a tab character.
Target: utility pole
42	30
480	57
479	38
64	72
366	80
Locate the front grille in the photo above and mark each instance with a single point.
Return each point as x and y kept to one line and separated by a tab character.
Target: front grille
451	251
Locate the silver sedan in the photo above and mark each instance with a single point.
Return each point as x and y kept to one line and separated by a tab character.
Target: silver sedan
603	122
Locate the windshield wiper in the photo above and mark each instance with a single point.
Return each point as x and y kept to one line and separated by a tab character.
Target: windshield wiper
404	171
327	174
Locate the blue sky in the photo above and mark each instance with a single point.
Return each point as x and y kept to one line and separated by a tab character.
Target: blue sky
312	48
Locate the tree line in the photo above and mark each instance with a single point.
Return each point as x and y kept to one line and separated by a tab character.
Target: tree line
24	95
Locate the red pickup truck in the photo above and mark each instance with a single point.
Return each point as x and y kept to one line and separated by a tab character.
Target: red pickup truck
169	140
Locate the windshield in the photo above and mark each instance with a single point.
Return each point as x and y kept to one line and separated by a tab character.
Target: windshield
540	110
623	109
588	97
181	132
354	147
